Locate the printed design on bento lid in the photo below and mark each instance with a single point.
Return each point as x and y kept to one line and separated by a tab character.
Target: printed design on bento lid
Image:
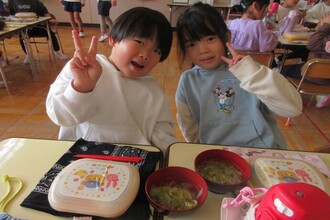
95	180
272	171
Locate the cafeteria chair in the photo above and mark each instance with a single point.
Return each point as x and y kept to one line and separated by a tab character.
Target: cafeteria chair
314	68
3	51
3	79
231	15
264	58
44	40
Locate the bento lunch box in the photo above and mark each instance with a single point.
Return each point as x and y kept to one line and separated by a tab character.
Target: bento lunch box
268	171
95	187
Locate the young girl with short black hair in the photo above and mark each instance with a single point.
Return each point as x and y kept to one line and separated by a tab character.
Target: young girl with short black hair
228	100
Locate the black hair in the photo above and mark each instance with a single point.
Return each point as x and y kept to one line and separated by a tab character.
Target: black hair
245	4
144	23
198	21
2	24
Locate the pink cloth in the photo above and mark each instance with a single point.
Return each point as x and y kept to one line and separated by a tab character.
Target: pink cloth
327	47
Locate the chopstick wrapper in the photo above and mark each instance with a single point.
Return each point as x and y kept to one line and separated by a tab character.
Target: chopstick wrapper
38	198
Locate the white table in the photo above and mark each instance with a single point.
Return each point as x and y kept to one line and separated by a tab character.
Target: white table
30	159
183	154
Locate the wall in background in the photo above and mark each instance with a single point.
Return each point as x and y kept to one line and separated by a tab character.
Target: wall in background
89	11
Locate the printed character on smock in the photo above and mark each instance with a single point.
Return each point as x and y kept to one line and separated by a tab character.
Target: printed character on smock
224	96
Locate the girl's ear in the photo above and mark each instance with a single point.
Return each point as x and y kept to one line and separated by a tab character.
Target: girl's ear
228	36
255	6
111	41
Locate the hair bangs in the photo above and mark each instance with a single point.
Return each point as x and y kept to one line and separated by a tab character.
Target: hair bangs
197	29
144	23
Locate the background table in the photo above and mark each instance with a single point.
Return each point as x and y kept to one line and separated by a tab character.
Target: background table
7	32
285	45
223	8
20	28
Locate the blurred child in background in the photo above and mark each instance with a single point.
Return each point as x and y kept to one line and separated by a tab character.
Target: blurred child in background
73	8
286	7
37	7
317	11
249	32
103	9
319	44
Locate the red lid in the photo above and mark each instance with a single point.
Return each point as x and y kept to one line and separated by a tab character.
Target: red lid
294	201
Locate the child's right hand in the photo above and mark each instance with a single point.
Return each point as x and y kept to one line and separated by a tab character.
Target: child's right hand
325	18
85	68
234	54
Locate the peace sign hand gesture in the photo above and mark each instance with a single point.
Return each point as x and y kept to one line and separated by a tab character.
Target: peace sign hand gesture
235	56
85	68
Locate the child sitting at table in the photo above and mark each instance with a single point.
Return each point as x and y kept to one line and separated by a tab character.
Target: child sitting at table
222	100
248	32
287	6
317	11
318	43
40	9
3	9
289	17
114	99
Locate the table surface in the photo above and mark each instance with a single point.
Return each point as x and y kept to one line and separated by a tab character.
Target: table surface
38	20
286	42
30	159
183	154
10	30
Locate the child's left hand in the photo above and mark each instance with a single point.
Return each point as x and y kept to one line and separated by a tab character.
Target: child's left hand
235	56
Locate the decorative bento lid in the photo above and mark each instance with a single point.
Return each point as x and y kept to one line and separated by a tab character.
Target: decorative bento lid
95	187
268	171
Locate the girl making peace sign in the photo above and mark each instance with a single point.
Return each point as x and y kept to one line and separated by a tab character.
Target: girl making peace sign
227	100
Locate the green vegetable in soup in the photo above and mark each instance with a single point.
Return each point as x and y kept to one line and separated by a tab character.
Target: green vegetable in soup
220	172
175	195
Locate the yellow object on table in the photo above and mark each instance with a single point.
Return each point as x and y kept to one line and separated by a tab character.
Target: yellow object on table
297	36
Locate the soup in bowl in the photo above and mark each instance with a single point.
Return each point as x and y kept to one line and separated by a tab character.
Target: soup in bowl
222	170
176	190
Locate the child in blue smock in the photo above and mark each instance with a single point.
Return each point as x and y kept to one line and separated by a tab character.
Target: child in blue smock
227	100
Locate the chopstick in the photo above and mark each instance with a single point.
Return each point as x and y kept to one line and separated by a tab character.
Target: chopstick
114	158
